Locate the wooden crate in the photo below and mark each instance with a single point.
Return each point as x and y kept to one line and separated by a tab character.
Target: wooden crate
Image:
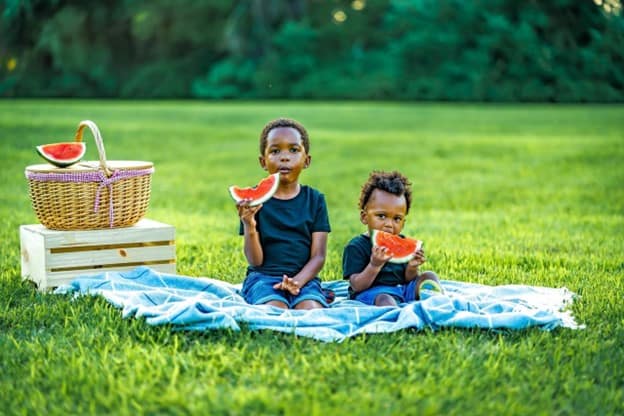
51	258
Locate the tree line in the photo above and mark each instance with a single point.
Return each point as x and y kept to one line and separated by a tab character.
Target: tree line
449	50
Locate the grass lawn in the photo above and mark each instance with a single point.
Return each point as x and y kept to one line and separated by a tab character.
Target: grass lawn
528	194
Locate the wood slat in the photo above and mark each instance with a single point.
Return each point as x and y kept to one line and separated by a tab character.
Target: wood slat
144	231
110	256
55	279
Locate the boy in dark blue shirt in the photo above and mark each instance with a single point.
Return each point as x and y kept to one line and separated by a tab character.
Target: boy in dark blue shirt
285	239
384	203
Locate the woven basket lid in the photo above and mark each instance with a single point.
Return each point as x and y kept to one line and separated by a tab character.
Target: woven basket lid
90	166
107	166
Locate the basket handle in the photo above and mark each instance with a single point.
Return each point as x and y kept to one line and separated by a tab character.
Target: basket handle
98	142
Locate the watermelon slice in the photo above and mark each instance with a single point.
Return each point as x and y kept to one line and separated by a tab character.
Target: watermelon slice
402	249
257	194
62	154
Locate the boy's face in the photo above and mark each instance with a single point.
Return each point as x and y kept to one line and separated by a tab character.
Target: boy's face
284	153
384	211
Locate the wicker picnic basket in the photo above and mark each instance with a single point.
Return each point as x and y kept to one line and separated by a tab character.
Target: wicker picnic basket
90	195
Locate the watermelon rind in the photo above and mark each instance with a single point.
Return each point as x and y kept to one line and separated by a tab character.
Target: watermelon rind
403	259
265	197
45	151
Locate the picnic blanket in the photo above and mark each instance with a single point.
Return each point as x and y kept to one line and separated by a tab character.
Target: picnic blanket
199	303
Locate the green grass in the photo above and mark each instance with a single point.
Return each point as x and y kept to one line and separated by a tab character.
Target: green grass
530	194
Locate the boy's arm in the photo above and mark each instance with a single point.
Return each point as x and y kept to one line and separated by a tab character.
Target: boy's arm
364	279
411	271
318	253
251	246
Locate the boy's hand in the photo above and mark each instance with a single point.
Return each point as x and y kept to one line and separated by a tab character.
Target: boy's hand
418	259
288	284
379	256
247	213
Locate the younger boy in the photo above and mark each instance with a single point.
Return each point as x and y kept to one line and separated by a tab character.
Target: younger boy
285	239
384	203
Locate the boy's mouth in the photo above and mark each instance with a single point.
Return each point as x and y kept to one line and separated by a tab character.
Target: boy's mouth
284	170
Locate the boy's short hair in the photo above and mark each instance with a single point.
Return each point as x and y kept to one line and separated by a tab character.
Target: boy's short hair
392	182
284	122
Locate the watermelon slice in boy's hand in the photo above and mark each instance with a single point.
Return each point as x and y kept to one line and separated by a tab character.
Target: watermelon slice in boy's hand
402	249
62	154
258	194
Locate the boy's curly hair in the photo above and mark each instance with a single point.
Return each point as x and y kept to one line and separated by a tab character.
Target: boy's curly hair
393	182
284	122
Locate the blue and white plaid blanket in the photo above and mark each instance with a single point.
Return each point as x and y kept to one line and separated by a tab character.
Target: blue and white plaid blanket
193	303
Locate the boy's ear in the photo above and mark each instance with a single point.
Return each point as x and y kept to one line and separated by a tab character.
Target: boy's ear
363	217
262	161
307	162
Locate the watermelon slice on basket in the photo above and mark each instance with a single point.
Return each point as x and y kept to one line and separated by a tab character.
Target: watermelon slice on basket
258	194
62	154
402	249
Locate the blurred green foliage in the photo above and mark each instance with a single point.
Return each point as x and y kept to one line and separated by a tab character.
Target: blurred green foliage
479	50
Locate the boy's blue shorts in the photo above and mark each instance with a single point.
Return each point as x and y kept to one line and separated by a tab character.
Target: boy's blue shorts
258	289
402	293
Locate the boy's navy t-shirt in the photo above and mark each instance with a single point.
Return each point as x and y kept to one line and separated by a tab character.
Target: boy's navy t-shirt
285	227
356	256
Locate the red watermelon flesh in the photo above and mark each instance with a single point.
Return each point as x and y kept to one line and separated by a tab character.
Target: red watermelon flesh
258	194
62	154
402	249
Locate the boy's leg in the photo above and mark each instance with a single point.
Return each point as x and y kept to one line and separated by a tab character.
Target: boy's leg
310	296
385	299
277	304
258	289
309	304
381	296
427	282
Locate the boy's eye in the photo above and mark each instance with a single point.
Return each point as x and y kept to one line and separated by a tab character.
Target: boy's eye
274	151
294	150
381	216
398	219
